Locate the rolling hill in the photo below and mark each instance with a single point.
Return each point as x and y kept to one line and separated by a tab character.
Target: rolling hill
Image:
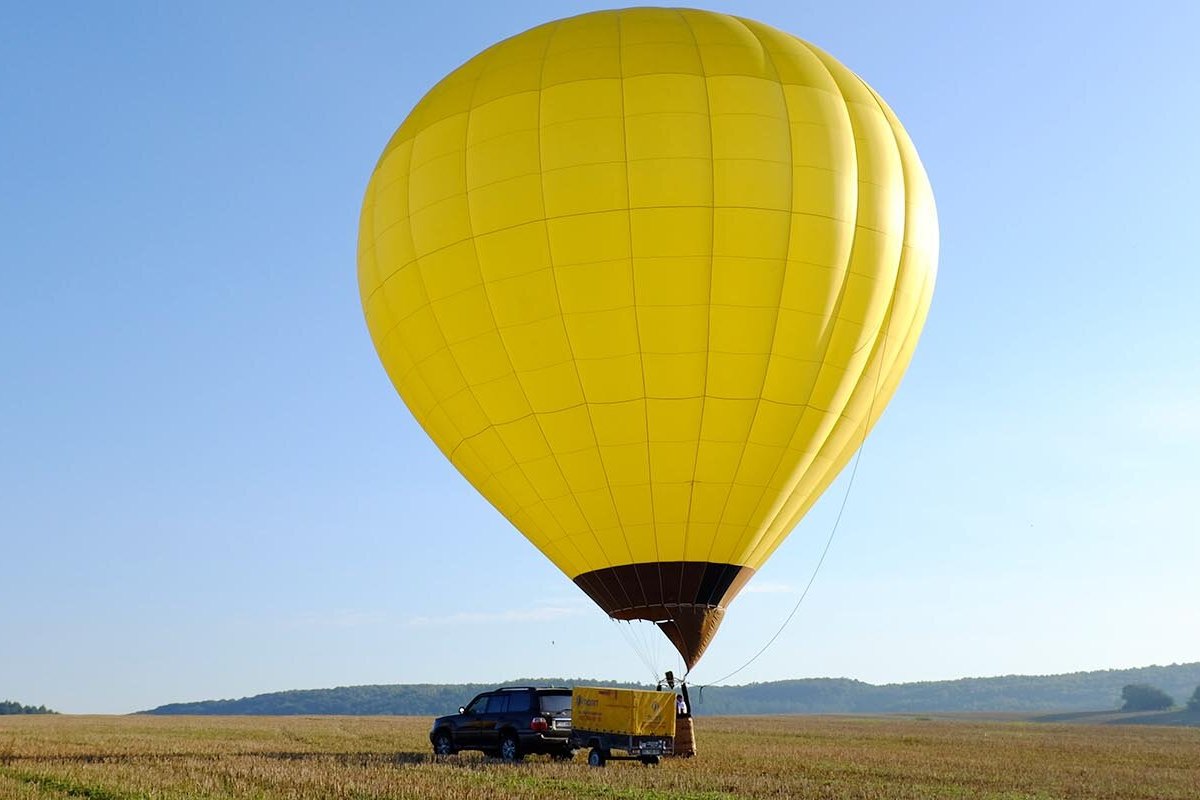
1073	692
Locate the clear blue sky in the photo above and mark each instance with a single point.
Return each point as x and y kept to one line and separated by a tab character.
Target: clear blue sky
208	488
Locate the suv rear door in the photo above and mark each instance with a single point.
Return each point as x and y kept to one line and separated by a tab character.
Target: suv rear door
557	706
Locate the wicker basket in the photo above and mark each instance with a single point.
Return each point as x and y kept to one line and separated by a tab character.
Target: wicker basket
685	737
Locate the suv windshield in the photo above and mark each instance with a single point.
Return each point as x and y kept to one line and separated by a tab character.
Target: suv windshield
556	703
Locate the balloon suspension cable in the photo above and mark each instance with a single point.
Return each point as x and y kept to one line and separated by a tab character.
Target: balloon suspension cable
640	646
832	533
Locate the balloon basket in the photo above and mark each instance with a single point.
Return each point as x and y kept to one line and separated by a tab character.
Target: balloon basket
685	737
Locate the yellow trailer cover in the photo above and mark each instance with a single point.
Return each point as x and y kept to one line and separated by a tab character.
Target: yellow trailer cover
625	711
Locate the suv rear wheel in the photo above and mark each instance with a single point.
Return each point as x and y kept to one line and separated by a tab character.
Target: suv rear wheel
510	748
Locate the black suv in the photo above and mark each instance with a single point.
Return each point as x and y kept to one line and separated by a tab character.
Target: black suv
511	722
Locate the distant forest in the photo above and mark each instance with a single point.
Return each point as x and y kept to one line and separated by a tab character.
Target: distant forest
1077	691
9	707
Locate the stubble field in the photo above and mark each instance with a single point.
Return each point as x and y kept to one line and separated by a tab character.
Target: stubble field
356	758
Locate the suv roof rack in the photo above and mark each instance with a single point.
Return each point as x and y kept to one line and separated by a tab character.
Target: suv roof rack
526	688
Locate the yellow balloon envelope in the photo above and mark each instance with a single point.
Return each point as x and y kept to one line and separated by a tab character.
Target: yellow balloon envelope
647	277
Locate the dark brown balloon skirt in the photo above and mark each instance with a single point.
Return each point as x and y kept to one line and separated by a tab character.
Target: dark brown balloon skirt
686	599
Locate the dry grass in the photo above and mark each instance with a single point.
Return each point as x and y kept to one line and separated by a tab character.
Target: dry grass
120	758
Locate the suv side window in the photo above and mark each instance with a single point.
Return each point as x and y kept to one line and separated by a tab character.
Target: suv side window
518	701
497	704
477	705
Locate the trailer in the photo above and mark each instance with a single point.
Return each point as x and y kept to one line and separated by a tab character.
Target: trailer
622	724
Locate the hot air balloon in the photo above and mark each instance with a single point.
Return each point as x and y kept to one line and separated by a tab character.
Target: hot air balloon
647	277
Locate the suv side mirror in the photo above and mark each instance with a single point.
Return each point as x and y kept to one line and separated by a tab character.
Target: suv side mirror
462	709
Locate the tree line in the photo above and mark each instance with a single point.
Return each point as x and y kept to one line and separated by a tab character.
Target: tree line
1083	691
10	707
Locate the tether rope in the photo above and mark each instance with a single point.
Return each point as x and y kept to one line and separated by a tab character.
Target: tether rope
811	579
837	522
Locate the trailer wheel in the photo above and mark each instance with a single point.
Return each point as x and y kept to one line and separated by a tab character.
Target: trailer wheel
597	757
650	761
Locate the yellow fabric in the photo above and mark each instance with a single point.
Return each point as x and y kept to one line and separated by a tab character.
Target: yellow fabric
626	711
647	277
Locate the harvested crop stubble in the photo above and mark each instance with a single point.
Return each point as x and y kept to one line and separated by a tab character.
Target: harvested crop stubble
120	758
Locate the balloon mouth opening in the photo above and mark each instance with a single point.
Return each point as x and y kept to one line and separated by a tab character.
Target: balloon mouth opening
685	599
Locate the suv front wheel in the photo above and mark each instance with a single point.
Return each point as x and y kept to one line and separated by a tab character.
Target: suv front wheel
442	745
510	748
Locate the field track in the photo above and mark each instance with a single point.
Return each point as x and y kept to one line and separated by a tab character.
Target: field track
360	758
